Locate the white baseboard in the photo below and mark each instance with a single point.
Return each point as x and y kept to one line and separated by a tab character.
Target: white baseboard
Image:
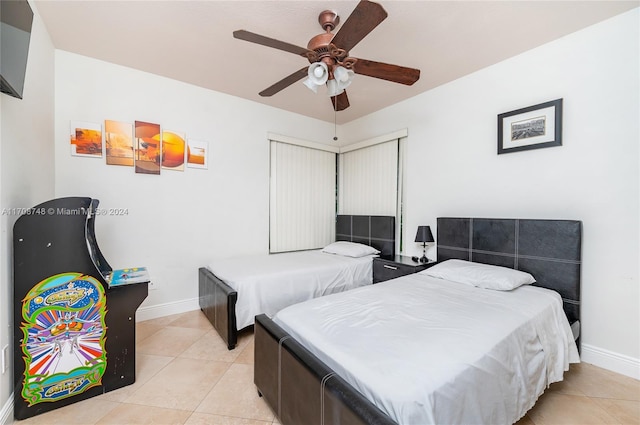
167	309
6	414
615	362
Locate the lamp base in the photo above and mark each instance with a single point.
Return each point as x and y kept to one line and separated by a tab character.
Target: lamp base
424	258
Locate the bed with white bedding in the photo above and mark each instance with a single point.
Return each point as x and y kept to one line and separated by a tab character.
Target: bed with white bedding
233	291
454	341
268	283
433	349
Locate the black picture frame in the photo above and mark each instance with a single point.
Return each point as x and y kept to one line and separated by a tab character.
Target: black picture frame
534	127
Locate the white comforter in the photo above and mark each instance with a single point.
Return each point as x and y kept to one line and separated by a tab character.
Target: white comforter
429	351
268	283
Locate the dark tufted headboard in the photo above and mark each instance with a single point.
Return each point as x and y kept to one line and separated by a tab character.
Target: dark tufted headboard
377	231
548	249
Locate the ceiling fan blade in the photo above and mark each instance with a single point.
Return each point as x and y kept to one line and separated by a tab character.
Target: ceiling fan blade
340	102
385	71
364	18
285	82
270	42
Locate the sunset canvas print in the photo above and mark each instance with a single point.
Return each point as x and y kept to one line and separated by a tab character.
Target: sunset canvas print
197	154
86	139
147	149
118	137
173	150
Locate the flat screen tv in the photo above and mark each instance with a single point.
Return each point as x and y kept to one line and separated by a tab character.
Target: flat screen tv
16	18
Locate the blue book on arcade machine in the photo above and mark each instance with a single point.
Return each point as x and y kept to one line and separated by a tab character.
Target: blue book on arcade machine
129	276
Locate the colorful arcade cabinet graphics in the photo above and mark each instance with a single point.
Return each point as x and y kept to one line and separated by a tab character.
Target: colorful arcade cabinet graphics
64	337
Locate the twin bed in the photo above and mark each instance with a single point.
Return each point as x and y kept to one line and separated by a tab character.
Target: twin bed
461	342
233	291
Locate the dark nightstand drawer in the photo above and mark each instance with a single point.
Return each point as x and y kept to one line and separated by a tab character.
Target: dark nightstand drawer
390	268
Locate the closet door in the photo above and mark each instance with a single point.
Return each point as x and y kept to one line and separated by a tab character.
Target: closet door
368	182
302	197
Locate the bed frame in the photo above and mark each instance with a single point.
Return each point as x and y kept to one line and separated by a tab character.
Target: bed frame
218	300
303	390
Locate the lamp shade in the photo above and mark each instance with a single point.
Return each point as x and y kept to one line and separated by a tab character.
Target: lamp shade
424	234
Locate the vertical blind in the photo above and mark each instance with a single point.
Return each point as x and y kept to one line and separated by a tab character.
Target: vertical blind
302	197
368	182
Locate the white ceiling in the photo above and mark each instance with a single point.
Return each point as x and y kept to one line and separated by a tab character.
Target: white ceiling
192	41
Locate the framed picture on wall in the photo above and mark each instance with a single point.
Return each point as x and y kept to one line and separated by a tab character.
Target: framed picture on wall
534	127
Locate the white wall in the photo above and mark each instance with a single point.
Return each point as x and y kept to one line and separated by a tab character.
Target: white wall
177	221
453	168
26	174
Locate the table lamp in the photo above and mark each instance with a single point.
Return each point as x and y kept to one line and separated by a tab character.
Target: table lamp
424	235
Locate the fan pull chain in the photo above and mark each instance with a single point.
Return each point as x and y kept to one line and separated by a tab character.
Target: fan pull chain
335	118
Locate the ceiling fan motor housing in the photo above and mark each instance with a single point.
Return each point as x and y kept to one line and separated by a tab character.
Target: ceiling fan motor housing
320	44
322	47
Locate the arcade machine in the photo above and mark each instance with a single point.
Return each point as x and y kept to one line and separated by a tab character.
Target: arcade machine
74	326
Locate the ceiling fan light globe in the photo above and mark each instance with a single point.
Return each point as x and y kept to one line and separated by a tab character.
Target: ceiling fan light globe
340	73
333	88
342	86
318	73
311	85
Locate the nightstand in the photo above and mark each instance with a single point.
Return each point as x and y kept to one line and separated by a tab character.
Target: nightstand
385	268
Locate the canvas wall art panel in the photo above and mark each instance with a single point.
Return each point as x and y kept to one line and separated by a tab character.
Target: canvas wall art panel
147	147
197	154
118	137
173	150
86	139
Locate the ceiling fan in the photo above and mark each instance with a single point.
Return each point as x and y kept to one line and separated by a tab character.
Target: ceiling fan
328	55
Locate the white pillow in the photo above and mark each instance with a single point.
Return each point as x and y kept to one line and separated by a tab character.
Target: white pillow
480	275
350	249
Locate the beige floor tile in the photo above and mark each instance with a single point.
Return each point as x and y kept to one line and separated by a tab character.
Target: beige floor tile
236	395
211	347
593	381
147	366
145	330
131	414
162	321
170	341
625	411
247	354
525	421
569	385
554	408
182	384
192	319
84	412
207	419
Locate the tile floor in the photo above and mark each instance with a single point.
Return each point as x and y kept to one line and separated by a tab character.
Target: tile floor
186	375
